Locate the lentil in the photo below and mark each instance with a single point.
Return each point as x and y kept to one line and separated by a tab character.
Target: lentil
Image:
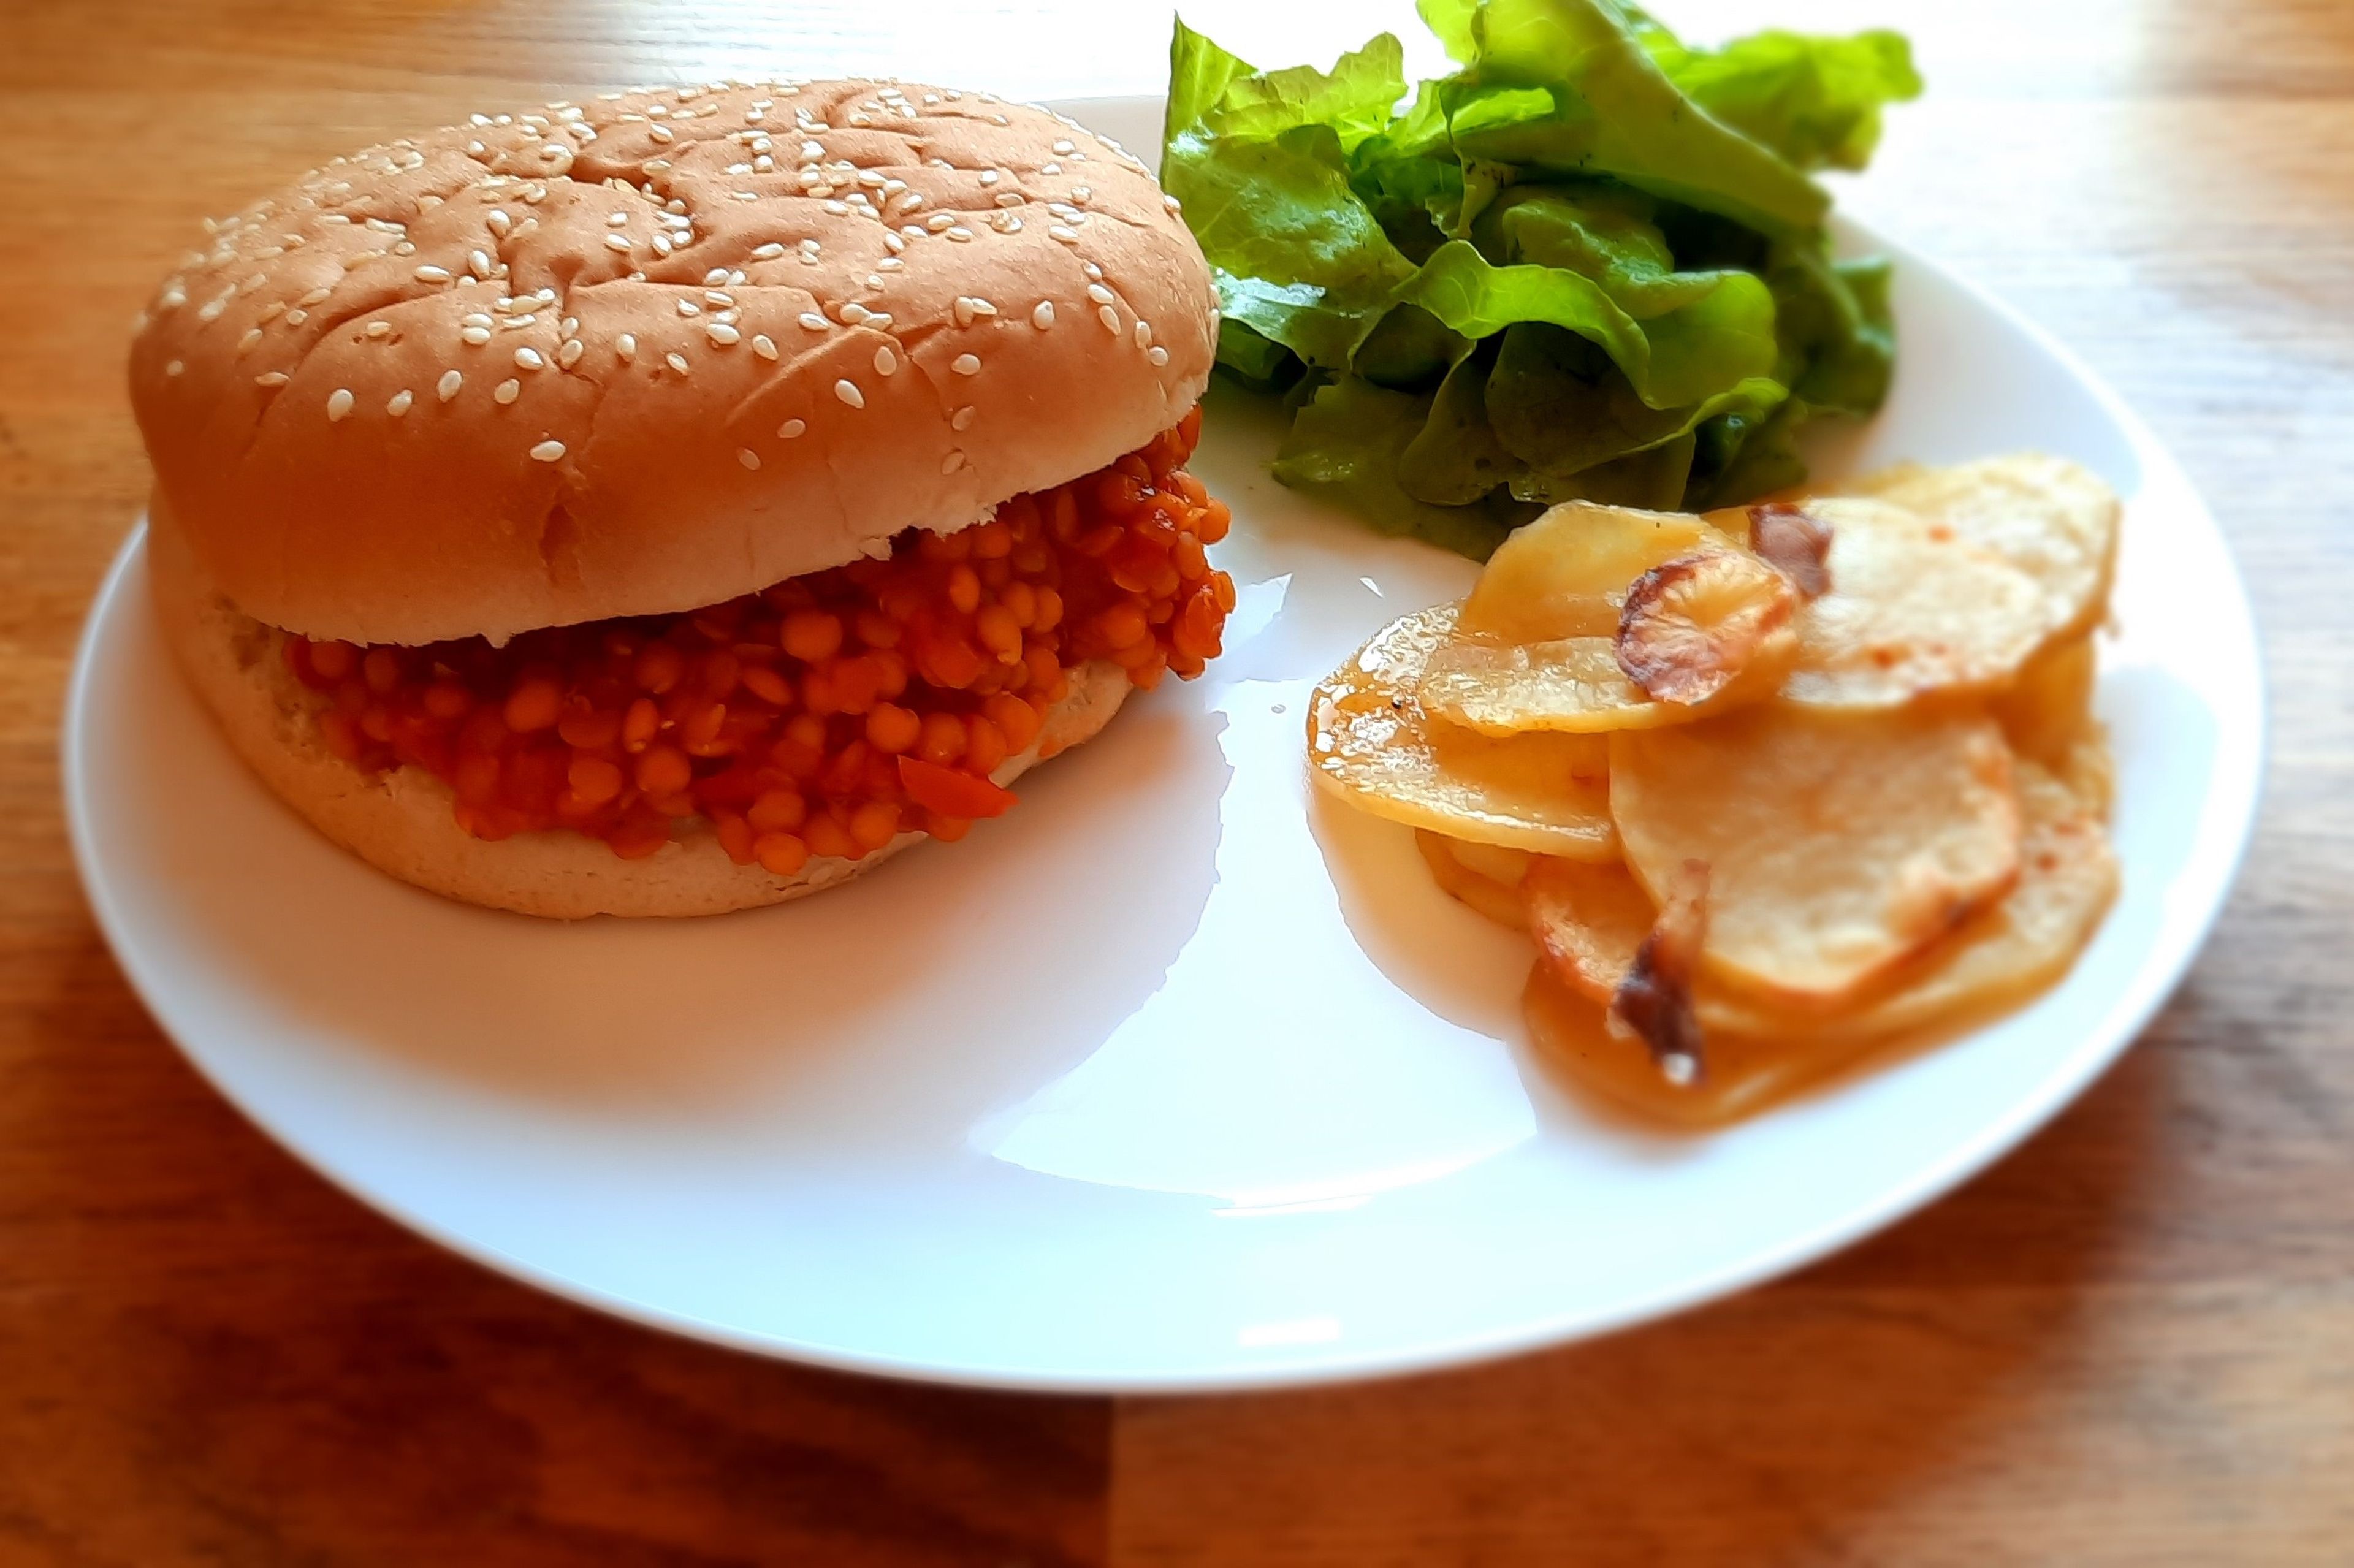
823	716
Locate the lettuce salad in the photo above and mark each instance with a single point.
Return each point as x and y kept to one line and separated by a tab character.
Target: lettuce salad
1589	264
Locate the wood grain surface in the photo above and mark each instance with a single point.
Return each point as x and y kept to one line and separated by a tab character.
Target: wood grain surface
2133	1342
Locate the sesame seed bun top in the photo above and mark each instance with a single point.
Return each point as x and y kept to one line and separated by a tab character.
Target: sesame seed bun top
655	350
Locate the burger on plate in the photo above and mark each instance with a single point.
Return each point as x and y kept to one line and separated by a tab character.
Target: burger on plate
680	502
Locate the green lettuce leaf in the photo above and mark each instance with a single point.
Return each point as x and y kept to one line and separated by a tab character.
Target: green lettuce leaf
1722	337
1346	443
1563	87
1815	101
1588	263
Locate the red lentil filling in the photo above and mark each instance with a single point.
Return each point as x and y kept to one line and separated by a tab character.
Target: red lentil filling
820	716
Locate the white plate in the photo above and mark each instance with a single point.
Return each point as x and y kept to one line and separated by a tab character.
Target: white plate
1174	1078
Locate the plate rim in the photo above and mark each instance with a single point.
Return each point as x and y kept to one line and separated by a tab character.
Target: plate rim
2236	786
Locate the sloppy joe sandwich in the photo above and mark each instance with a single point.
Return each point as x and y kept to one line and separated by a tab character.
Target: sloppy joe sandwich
679	502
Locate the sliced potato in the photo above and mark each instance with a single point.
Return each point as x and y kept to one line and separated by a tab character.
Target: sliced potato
2006	953
1707	627
1742	1074
2052	519
1572	684
1794	542
2048	711
2091	772
1565	574
1654	1002
1701	634
1506	868
1499	900
1839	844
1911	609
1590	920
1370	743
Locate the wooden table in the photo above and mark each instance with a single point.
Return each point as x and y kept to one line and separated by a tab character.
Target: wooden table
2131	1343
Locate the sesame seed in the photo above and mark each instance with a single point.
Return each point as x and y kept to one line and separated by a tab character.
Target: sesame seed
1171	203
792	428
548	452
626	347
721	335
1110	319
1067	236
958	233
316	297
764	345
447	388
1050	168
747	457
676	362
768	252
272	378
478	262
1099	294
508	391
1043	316
962	418
1065	148
173	368
569	355
250	342
966	364
1158	355
814	322
618	242
1010	198
853	312
886	362
339	401
1094	273
529	358
952	462
398	403
687	307
1143	333
848	392
990	177
893	243
659	133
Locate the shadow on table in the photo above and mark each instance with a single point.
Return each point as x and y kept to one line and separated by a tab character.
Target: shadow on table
1783	1426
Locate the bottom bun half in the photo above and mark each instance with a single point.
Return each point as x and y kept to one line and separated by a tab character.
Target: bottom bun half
402	821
